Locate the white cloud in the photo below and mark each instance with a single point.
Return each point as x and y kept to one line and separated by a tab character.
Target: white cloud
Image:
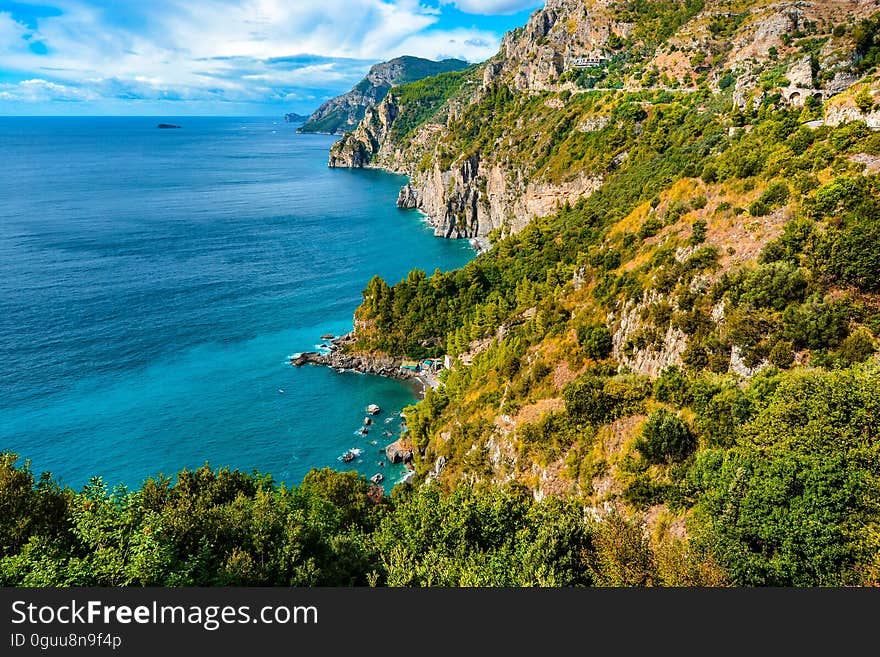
470	45
12	34
493	7
37	90
226	49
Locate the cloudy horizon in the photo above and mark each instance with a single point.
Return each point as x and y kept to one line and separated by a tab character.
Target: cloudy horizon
224	57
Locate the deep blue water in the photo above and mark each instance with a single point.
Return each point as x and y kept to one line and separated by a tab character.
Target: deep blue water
154	282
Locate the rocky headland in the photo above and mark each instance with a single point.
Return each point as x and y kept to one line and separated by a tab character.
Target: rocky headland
340	359
341	114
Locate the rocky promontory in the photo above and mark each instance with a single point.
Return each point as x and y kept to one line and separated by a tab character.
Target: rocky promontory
339	359
342	114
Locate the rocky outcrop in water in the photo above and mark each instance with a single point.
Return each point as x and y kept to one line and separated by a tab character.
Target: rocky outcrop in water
408	198
338	359
400	451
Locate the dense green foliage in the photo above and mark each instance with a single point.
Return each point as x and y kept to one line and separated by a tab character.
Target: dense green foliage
416	68
420	100
775	473
227	528
867	43
773	306
666	437
655	20
795	502
331	122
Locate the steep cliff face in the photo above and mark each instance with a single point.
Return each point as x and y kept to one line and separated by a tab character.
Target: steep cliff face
706	174
535	57
470	187
860	103
341	114
479	192
358	148
478	197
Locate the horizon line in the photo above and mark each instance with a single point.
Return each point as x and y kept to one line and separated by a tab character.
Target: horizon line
144	116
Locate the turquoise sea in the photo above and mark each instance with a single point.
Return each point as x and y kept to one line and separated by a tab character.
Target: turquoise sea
153	284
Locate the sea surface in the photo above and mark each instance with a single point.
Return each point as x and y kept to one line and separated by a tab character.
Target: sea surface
154	283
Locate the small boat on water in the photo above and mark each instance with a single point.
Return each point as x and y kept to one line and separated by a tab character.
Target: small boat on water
327	336
377	478
389	420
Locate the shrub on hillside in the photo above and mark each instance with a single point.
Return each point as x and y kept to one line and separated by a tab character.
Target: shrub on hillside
666	438
595	341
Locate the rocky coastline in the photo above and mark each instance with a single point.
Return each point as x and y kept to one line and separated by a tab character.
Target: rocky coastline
337	358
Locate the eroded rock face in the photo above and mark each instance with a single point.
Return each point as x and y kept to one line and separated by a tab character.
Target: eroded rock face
652	359
452	199
476	198
536	56
400	451
800	73
841	81
408	198
844	110
480	193
357	149
738	365
770	29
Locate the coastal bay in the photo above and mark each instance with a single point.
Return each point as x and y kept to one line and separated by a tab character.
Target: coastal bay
155	283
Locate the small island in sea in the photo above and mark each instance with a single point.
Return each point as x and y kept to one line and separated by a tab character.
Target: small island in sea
167	126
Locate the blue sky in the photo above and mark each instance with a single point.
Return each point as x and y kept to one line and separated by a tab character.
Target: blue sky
224	57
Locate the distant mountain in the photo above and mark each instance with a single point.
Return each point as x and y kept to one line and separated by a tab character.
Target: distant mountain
341	114
295	118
